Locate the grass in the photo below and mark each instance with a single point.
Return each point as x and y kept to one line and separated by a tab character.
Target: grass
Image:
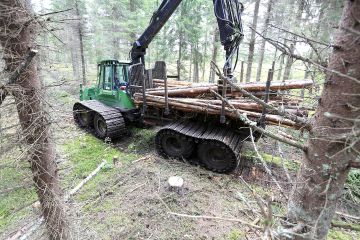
142	140
16	193
85	153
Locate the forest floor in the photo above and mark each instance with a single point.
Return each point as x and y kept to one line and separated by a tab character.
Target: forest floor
130	199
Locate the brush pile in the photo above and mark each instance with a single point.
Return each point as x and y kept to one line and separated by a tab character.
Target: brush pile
200	98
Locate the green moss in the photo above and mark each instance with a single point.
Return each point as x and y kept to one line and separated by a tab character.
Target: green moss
13	201
289	164
85	154
340	235
235	235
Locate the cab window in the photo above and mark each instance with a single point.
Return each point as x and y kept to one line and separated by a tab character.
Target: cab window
108	77
121	75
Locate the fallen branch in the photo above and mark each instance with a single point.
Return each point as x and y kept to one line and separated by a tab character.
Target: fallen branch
345	225
254	126
83	182
27	231
216	218
348	216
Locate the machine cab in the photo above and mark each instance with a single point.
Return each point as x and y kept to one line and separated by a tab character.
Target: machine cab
113	75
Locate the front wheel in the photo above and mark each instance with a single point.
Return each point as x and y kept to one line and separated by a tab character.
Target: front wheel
217	157
82	116
100	126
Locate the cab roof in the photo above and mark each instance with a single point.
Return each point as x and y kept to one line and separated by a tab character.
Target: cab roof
113	61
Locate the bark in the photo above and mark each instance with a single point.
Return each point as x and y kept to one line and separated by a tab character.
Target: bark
252	42
214	54
242	72
196	63
132	8
115	32
290	59
325	165
181	41
204	57
263	41
191	61
282	61
74	52
33	120
179	55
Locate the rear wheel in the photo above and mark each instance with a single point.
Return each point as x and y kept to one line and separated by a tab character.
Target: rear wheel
174	145
82	116
100	126
217	157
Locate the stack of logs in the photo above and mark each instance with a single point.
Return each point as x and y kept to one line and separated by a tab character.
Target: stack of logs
200	98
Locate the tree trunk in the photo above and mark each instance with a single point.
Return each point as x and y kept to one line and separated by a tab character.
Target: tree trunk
196	63
204	57
214	53
32	116
74	50
290	59
191	59
81	43
282	61
263	41
325	165
132	8
252	42
179	55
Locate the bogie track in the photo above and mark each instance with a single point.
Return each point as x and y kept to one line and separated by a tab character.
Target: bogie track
218	148
103	121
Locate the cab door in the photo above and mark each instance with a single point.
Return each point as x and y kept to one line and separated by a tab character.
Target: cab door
106	93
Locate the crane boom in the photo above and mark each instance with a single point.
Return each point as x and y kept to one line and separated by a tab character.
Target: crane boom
227	12
160	17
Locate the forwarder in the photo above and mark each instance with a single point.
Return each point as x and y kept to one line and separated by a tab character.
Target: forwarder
108	108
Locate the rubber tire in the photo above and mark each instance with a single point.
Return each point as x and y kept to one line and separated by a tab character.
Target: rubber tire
99	129
79	116
217	157
175	145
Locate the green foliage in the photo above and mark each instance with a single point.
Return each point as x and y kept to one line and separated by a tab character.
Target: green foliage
235	235
352	186
111	27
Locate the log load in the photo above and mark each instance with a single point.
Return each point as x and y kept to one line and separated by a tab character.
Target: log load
199	98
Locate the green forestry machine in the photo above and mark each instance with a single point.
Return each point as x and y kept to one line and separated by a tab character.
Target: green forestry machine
108	108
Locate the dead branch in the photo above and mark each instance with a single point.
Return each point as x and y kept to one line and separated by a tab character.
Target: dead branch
216	218
27	231
254	126
294	118
301	36
83	182
307	60
16	74
345	225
